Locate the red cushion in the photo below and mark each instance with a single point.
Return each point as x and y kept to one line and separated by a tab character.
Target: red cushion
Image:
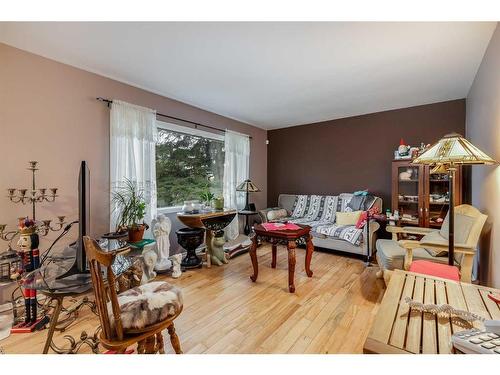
435	269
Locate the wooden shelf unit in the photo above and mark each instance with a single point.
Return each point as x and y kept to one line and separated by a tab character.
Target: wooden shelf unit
421	184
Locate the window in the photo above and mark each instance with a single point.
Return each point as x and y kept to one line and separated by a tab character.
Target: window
188	163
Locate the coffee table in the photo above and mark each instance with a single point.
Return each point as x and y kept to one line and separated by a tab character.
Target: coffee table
289	238
397	330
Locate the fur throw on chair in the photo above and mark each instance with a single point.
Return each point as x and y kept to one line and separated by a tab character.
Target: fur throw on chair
148	304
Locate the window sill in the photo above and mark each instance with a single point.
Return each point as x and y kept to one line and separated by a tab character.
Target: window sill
169	210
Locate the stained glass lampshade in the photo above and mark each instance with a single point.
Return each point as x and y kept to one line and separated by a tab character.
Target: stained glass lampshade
445	155
247	185
453	149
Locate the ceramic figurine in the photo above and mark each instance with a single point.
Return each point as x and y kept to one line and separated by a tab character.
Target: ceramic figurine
161	232
403	149
28	244
148	264
176	265
217	255
406	176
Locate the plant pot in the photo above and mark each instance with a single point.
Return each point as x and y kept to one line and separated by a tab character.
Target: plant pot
136	233
219	203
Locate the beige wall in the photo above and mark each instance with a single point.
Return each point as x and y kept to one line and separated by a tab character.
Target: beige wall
483	130
48	113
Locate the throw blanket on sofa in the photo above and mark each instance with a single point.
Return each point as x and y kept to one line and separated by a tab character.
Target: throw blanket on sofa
309	208
347	233
319	212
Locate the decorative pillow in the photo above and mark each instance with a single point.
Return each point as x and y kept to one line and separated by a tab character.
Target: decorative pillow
276	214
463	226
148	304
348	218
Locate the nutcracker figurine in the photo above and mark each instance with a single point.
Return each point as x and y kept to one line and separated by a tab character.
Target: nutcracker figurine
30	261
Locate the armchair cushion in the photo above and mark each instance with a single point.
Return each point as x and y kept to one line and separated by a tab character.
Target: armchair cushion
437	238
148	304
391	255
443	271
463	226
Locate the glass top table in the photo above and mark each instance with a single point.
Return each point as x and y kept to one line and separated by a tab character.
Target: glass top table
50	279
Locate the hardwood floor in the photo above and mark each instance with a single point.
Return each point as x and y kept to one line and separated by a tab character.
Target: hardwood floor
224	312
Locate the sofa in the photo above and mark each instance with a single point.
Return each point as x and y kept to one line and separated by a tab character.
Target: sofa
320	213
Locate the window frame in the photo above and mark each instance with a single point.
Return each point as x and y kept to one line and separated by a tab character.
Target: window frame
161	125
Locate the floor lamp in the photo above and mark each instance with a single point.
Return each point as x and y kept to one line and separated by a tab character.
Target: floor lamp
445	156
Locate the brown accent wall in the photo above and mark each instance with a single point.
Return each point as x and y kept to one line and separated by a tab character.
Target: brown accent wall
353	153
48	113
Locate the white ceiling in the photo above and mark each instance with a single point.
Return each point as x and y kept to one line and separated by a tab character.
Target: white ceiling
274	74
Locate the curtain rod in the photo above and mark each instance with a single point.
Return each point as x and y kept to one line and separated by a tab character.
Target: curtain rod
196	124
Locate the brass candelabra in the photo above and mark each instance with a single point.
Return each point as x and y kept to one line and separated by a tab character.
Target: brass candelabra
32	196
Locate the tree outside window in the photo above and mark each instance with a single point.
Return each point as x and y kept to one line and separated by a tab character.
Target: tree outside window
187	166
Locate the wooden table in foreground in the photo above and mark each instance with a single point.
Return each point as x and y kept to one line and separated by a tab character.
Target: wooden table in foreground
288	238
396	330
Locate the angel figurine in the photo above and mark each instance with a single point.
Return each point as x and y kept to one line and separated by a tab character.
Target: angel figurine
161	232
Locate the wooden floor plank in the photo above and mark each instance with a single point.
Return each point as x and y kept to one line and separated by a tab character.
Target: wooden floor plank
224	312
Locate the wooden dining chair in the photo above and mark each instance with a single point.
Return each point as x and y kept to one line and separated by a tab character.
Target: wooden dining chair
138	315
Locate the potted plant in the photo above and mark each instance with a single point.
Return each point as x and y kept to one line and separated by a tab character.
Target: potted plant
207	197
129	201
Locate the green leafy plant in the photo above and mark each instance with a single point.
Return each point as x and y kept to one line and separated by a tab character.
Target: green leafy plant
207	196
129	201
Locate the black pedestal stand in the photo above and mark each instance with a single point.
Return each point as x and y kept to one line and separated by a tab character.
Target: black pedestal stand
190	239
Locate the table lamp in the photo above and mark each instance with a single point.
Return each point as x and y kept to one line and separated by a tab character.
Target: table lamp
445	155
248	187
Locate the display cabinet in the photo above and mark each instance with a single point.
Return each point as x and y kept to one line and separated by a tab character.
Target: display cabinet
421	197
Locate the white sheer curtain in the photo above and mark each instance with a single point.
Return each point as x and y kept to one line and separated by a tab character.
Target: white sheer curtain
236	170
133	135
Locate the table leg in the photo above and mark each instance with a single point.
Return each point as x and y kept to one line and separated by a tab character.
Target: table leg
247	226
274	251
253	256
291	265
309	254
53	324
208	245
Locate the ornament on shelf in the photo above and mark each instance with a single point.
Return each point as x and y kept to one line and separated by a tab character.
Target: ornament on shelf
403	149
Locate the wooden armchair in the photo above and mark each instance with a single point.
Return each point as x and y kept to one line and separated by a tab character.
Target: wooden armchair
434	241
124	317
